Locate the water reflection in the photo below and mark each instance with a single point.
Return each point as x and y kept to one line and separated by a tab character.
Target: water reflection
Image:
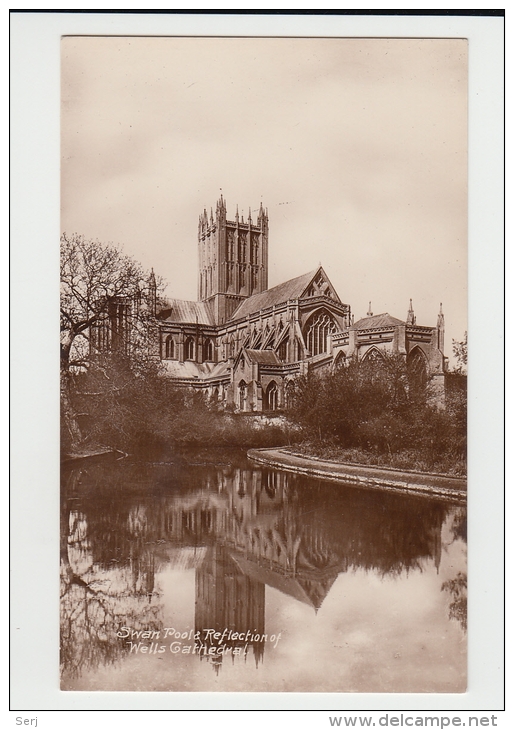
241	529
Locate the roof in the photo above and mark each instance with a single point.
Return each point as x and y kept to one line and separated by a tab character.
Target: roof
292	289
180	310
190	369
376	321
263	357
310	588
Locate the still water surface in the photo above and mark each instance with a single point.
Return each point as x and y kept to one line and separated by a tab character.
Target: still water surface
251	579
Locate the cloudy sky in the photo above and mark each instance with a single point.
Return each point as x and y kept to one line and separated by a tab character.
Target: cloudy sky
357	147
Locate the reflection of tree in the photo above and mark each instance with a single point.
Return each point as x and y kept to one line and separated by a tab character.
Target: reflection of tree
96	602
460	525
458	589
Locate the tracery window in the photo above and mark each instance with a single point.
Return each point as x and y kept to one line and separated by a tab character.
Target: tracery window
242	248
374	356
374	360
417	367
340	361
317	331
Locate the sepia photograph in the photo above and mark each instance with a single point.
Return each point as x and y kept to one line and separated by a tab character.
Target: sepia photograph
263	364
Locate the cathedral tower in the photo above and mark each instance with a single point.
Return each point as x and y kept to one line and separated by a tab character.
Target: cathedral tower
233	259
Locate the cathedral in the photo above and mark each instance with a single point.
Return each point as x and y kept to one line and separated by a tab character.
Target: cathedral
244	344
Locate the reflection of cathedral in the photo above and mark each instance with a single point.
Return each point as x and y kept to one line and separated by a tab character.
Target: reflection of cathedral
245	344
227	599
258	530
245	528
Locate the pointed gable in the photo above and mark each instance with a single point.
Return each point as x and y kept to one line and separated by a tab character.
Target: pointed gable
261	357
320	286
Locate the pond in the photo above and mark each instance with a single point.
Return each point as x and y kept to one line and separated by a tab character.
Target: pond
206	572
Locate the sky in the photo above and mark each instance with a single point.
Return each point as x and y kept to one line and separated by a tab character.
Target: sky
357	147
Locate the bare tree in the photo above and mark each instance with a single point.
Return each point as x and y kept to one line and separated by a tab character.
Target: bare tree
107	307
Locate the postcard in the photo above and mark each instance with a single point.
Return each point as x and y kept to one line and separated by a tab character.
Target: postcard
264	365
206	542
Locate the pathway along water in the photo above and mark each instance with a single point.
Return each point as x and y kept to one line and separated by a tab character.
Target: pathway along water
437	485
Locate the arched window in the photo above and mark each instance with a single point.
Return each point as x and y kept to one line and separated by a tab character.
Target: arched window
189	349
340	361
242	248
282	350
271	399
373	357
208	350
170	347
317	330
417	367
243	390
290	393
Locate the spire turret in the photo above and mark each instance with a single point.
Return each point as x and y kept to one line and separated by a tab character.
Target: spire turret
440	329
370	313
152	293
411	319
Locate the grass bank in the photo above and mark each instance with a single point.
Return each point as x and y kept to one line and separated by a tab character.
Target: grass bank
408	460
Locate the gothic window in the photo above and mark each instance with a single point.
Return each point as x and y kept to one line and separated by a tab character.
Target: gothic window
255	249
290	393
208	350
417	367
230	245
101	339
169	348
374	356
242	395
271	400
282	350
242	248
189	349
118	314
317	330
340	361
